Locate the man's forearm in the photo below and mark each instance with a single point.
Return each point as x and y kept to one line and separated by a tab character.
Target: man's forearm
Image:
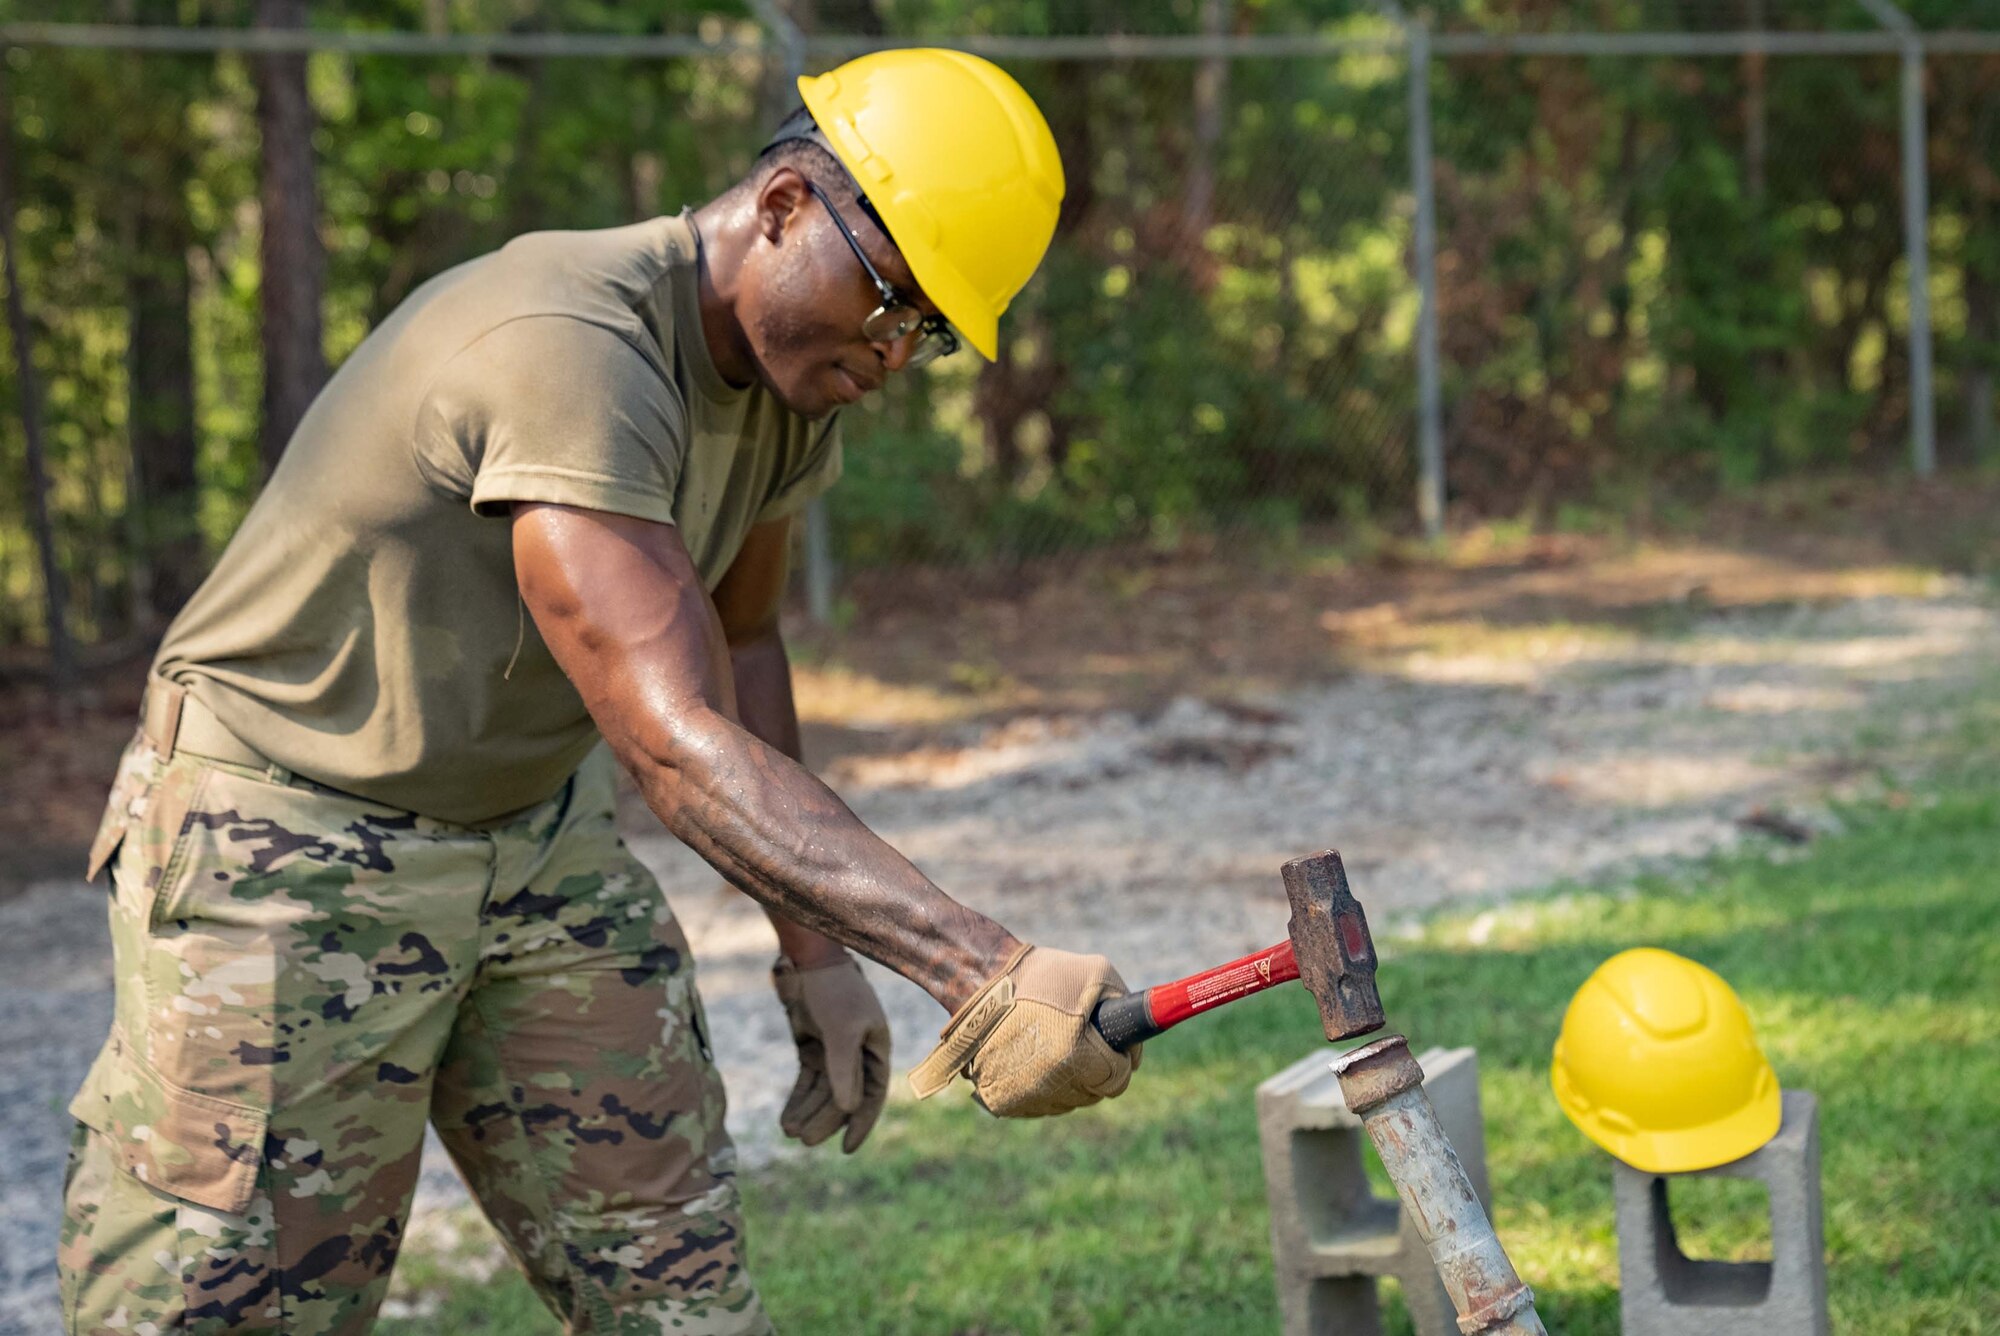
621	606
775	831
765	706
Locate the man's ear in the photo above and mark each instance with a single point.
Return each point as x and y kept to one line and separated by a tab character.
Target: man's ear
779	200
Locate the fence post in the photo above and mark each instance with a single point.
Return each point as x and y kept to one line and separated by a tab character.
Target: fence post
1916	233
819	527
1916	228
1430	418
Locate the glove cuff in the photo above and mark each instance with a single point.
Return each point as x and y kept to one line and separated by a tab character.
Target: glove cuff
967	1030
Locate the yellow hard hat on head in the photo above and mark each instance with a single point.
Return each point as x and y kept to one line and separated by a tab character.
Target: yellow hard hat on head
959	164
1657	1064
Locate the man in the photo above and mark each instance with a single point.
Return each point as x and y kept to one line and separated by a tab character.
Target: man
365	871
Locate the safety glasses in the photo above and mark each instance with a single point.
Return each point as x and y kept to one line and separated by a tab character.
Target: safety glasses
897	317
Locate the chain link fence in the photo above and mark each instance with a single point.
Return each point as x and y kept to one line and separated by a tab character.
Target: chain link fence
1220	337
1319	265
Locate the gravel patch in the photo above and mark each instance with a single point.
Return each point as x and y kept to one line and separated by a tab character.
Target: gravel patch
1156	839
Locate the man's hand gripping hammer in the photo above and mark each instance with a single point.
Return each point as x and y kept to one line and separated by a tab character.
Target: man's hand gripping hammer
1382	1084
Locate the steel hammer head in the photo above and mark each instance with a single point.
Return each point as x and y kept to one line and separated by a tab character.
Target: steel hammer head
1330	938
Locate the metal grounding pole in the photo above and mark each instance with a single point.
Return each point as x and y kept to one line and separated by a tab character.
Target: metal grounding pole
1417	44
1384	1088
819	527
1430	411
1916	233
1916	228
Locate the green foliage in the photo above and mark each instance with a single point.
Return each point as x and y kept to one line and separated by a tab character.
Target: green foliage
897	496
1221	337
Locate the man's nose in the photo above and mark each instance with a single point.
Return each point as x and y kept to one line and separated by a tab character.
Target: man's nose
896	353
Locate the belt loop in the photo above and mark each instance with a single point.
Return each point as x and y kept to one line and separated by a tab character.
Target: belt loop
161	716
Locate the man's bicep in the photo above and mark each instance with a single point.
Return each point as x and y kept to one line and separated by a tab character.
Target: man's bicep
620	605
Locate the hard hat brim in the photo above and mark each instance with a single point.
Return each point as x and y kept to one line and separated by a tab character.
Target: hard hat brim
1684	1150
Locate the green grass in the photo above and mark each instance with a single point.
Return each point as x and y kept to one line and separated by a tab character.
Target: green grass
1871	963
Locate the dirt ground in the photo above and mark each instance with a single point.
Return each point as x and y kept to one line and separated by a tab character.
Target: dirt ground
921	654
1117	752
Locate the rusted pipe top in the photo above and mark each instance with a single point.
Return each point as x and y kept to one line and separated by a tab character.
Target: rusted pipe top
1376	1073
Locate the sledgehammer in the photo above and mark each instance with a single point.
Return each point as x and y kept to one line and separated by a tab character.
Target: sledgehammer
1328	929
1382	1084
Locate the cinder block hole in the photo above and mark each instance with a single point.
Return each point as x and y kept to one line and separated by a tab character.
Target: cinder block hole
1332	1191
1731	1216
1344	1304
1395	1312
1719	1219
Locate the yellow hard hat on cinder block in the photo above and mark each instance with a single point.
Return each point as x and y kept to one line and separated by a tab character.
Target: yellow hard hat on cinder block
956	159
1657	1063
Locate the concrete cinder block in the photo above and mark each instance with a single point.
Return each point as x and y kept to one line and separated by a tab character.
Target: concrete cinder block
1331	1236
1666	1293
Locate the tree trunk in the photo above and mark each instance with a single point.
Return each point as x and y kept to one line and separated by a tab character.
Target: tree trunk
162	410
646	178
294	260
1006	391
1982	278
1756	116
1979	408
525	205
1000	404
168	561
55	590
1211	92
1982	329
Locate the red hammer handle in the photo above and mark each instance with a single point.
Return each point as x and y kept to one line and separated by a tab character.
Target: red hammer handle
1136	1017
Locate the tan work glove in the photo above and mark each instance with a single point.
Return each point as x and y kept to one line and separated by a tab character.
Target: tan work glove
1026	1040
843	1040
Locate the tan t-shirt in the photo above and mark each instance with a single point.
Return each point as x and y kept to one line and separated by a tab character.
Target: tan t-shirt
364	628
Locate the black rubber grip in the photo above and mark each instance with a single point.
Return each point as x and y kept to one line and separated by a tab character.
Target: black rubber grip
1124	1020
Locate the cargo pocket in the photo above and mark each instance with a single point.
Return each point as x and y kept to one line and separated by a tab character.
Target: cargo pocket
138	769
145	822
192	1147
180	1232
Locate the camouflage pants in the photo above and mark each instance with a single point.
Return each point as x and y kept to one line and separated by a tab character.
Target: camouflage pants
304	977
